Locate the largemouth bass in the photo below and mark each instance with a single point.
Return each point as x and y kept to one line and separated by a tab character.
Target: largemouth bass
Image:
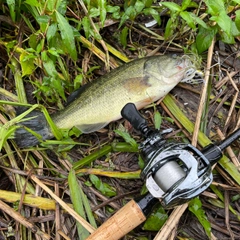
141	82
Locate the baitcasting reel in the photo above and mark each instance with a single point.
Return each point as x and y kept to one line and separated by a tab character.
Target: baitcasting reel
174	172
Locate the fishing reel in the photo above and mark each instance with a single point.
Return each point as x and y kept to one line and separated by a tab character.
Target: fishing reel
174	172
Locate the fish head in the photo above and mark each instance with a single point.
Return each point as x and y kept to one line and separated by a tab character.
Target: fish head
172	69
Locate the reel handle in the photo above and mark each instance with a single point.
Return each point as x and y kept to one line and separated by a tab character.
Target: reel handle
130	113
121	223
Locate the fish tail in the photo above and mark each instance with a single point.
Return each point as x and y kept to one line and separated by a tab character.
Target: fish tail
37	125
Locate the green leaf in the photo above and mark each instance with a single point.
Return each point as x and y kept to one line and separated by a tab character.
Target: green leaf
94	12
43	19
77	81
40	46
172	6
195	206
56	84
139	6
115	10
229	39
33	41
170	28
57	43
104	188
188	18
157	120
27	63
185	4
156	219
141	162
199	20
214	7
148	3
103	11
33	3
154	13
67	35
224	22
112	9
5	132
61	6
49	65
237	19
86	26
127	138
54	52
130	13
51	4
11	6
77	201
51	32
123	36
204	39
235	30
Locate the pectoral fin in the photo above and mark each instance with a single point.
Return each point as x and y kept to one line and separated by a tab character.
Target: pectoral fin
88	128
138	84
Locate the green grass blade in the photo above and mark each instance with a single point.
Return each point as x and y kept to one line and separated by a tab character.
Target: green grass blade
87	208
112	174
90	158
19	82
195	206
77	201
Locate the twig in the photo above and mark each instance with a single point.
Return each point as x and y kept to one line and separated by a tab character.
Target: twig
224	80
229	150
19	218
64	205
233	104
171	222
226	203
57	215
113	199
63	235
203	96
234	99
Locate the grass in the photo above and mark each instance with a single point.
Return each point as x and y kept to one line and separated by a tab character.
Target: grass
49	49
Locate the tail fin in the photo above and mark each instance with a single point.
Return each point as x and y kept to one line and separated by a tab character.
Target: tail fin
38	124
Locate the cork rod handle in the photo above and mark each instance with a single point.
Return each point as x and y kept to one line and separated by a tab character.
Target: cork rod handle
121	223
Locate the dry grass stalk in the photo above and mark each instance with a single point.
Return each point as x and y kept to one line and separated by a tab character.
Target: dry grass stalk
64	205
19	218
229	150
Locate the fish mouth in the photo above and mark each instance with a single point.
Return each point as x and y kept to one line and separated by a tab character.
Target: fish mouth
192	75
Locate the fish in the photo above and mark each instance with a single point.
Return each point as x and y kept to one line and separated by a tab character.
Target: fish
96	104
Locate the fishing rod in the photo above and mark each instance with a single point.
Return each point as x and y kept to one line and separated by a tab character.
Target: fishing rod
174	174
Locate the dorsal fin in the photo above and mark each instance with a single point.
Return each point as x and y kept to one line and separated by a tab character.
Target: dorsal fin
74	95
